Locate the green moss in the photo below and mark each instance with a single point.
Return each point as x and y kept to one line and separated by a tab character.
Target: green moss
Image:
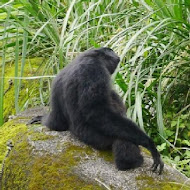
26	170
38	135
17	165
9	131
57	171
145	151
83	150
41	136
106	155
25	92
146	182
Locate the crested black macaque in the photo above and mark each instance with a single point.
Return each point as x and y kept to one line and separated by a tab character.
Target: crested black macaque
83	102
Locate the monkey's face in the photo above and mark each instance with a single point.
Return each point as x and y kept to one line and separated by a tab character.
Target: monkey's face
109	57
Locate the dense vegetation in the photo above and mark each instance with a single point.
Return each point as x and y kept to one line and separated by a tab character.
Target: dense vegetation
151	37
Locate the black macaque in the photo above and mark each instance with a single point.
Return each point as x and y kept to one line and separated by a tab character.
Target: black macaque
83	102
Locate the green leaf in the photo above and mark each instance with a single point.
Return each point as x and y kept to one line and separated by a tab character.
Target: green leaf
161	147
119	80
185	142
177	158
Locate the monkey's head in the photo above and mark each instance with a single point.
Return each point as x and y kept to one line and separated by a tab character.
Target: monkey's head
109	58
105	56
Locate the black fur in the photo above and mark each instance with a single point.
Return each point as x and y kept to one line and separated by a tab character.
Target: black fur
83	102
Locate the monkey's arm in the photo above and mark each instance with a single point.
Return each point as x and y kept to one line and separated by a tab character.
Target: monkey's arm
117	104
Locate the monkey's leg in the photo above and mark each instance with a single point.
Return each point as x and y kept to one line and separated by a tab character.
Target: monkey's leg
55	121
127	155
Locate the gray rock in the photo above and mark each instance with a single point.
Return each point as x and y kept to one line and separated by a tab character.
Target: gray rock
43	159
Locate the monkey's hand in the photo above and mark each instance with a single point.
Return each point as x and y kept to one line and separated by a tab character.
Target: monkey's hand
37	120
158	163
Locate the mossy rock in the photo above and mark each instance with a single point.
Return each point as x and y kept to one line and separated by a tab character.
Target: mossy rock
43	159
32	67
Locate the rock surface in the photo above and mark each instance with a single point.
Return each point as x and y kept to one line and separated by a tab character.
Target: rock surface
43	159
